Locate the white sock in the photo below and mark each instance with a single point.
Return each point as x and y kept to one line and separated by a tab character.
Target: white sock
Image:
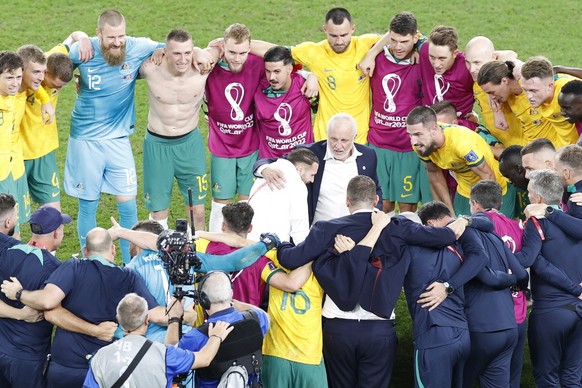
163	222
215	221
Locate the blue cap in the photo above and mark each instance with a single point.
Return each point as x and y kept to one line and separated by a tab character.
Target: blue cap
47	219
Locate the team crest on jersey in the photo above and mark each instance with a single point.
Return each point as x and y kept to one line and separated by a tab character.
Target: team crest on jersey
471	157
126	70
362	77
533	111
537	122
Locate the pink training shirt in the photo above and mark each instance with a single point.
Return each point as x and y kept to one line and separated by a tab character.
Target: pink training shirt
231	109
455	85
396	90
283	121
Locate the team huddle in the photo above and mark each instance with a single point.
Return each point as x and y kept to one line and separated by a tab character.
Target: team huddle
452	175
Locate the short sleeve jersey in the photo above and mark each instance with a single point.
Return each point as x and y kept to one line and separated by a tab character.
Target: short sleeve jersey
105	107
514	134
462	150
38	138
93	288
342	86
295	332
6	129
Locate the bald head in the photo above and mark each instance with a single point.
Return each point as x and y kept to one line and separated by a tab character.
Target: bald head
479	51
98	242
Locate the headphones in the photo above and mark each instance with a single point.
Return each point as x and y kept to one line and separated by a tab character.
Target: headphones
203	298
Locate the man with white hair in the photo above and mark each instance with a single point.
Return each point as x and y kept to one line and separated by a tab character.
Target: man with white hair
340	159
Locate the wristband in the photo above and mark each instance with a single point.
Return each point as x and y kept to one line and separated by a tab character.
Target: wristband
174	320
19	294
217	336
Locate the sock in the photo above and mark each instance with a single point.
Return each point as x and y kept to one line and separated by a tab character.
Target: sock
215	222
86	219
127	218
163	222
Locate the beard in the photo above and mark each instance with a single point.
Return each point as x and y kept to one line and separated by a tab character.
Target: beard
113	58
10	233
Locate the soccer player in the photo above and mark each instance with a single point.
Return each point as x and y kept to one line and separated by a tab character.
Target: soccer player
99	155
11	68
283	112
497	79
454	148
497	116
445	75
542	89
233	138
173	145
570	100
39	139
343	87
537	155
511	167
396	89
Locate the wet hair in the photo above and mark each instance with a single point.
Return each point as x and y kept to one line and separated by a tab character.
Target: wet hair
279	54
488	193
494	71
404	23
432	211
337	16
444	36
238	216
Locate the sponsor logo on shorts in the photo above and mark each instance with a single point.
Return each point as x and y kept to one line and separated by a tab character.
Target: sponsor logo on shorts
55	194
405	195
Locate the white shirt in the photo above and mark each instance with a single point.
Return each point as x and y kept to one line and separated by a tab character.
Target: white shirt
331	202
280	211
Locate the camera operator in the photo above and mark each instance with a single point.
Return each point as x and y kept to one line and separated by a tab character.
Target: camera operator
215	291
159	364
149	266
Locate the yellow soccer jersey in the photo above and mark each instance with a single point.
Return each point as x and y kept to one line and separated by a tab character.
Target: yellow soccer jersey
565	132
295	331
6	129
462	150
533	124
16	152
342	86
514	134
38	138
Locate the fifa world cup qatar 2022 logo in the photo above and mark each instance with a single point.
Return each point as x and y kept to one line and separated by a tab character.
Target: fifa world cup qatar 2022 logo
234	94
283	115
390	84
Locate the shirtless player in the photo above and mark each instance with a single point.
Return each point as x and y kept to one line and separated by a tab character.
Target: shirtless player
173	145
